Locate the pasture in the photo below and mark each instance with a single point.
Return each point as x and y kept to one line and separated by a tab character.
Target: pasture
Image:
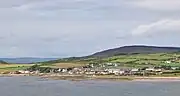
64	65
13	67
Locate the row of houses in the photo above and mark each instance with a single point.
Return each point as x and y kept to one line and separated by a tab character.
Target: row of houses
89	70
92	69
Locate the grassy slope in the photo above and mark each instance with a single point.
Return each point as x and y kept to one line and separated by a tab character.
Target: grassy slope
13	67
146	59
68	62
136	60
63	65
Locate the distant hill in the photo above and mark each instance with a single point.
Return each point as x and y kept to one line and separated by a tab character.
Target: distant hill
3	62
125	50
26	60
135	50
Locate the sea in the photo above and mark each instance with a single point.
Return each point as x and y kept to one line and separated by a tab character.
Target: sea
35	86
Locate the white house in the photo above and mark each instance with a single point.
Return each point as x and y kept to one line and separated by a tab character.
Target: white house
174	68
92	65
115	71
59	70
150	69
168	62
135	70
115	65
64	70
157	70
121	72
24	72
90	73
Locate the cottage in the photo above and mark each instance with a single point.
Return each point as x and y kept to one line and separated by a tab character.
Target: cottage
115	65
168	62
104	73
70	72
121	72
149	69
24	72
92	65
59	70
114	71
64	70
90	73
157	70
174	68
109	64
135	70
110	70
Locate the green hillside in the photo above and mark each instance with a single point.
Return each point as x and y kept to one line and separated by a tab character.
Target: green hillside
135	60
131	56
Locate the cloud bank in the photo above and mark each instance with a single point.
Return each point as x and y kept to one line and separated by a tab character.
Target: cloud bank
162	5
162	26
61	28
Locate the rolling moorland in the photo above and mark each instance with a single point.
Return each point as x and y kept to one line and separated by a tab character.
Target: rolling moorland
135	60
127	56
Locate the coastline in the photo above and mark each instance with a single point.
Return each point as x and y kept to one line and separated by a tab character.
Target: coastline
157	79
99	78
111	78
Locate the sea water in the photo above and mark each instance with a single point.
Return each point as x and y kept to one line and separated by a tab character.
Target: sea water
34	86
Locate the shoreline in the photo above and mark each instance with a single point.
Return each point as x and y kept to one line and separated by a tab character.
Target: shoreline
156	79
99	78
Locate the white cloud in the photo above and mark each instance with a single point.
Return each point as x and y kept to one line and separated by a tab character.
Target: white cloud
57	31
49	5
165	5
66	27
162	26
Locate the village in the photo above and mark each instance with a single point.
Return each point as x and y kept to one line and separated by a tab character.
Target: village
103	69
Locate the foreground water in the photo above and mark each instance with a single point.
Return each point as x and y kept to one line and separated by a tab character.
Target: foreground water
34	86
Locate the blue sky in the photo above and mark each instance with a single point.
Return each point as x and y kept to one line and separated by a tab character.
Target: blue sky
61	28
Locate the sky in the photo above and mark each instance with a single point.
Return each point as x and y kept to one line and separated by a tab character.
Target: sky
63	28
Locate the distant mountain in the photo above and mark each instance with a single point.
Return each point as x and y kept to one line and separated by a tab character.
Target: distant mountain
135	50
25	60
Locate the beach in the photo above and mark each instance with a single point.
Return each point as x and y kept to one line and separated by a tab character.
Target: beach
94	77
110	78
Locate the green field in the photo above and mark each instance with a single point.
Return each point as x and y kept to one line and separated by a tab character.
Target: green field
63	65
13	67
133	60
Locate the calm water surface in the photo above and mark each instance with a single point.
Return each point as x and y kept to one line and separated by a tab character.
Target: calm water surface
34	86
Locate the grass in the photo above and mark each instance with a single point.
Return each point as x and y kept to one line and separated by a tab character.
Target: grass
64	65
13	67
171	64
147	62
138	60
126	60
133	60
